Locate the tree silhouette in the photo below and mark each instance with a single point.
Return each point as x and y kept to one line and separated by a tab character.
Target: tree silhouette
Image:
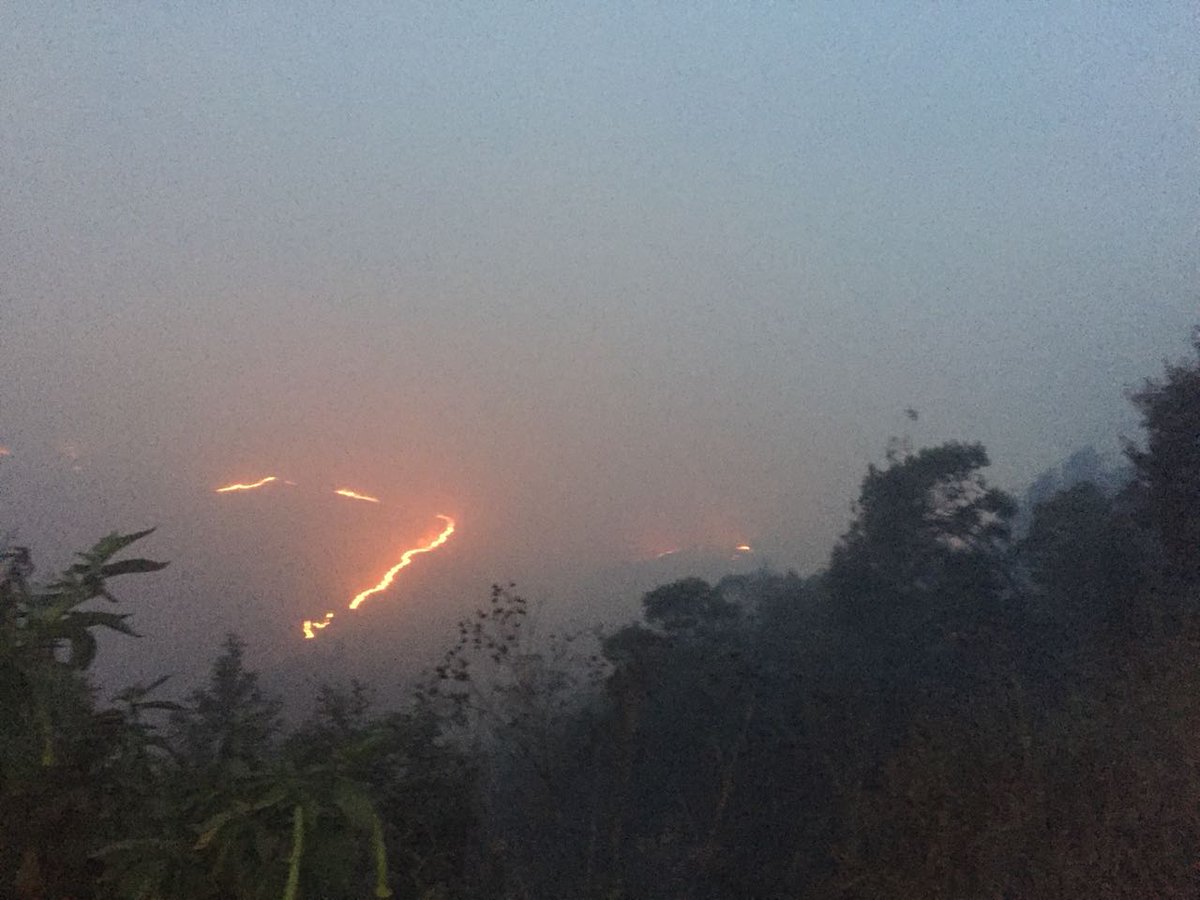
1168	469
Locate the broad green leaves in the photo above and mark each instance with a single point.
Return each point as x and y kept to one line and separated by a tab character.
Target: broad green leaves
53	744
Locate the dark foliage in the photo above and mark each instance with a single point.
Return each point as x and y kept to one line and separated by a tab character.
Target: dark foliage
1168	469
944	712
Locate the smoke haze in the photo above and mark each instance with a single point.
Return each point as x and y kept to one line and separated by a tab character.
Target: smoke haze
598	283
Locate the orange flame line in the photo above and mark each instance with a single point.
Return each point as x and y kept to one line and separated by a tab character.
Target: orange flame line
354	495
407	557
743	548
309	625
246	487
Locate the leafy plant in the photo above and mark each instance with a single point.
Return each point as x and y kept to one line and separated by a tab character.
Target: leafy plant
53	745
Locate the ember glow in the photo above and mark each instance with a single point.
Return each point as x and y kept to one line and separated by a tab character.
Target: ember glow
354	495
405	559
247	487
311	627
743	548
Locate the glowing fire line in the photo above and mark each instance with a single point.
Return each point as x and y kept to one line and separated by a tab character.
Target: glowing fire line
407	557
247	487
355	495
311	627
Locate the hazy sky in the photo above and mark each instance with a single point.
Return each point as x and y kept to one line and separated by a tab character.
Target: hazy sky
599	280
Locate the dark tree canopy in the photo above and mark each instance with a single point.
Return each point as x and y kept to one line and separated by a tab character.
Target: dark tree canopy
687	603
1168	469
926	523
1082	550
231	720
942	712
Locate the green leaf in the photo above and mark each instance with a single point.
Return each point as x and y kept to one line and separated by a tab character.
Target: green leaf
167	705
155	684
131	566
114	543
379	851
213	826
83	650
354	804
207	836
273	797
160	744
98	618
292	888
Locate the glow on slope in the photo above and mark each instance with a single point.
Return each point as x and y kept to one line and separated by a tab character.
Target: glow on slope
247	487
407	557
354	495
311	627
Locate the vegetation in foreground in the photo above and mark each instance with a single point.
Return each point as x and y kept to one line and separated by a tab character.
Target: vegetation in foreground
973	700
